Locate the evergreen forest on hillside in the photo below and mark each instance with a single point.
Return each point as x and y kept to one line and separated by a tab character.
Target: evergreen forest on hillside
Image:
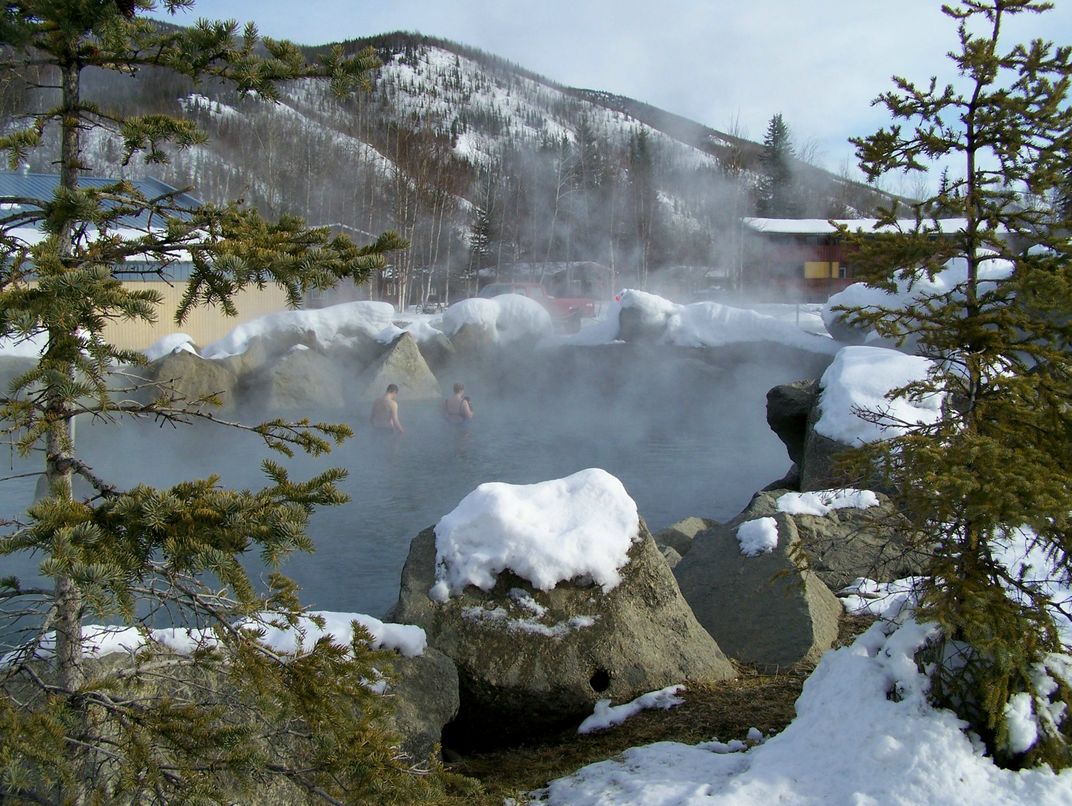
478	163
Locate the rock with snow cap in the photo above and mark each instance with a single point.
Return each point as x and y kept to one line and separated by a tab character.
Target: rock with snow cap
765	607
531	659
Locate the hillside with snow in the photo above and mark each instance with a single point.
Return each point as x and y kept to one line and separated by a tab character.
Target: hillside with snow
479	163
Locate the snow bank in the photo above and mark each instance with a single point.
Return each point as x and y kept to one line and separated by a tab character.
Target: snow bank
947	283
822	502
866	597
606	715
859	379
334	326
700	324
850	743
509	317
581	526
406	639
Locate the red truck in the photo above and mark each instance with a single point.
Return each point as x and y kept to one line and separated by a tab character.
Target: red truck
566	312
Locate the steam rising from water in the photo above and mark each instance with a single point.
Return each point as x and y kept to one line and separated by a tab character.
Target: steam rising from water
684	430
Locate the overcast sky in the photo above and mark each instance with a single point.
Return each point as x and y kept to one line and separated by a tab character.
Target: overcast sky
817	62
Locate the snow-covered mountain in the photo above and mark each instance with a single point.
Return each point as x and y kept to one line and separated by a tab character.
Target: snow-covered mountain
479	163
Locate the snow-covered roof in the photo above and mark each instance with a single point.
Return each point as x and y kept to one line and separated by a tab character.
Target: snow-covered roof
821	226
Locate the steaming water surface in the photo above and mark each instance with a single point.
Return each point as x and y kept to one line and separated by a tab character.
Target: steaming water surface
694	442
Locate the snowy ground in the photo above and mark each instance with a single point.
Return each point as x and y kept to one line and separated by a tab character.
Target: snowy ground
851	743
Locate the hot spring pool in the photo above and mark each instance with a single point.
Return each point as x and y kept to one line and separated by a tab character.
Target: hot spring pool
691	441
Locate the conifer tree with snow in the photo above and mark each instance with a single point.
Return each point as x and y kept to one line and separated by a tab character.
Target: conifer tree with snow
998	463
230	720
776	193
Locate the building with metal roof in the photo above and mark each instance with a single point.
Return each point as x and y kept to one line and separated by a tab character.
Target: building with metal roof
20	185
203	325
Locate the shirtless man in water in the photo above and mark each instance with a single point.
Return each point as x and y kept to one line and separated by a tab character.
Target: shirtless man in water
385	411
457	408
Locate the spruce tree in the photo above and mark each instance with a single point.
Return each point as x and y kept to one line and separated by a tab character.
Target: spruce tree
776	193
1000	458
231	720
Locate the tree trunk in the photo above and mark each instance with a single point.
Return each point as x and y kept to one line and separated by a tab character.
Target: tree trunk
59	439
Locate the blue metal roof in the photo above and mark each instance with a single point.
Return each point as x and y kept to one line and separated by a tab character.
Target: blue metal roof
17	184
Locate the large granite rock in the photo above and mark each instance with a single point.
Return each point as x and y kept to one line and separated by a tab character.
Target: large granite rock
849	543
191	377
771	609
792	411
788	407
678	536
401	364
297	380
424	698
530	660
471	341
438	352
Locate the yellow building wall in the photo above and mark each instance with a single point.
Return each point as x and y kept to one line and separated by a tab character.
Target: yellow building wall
820	269
203	325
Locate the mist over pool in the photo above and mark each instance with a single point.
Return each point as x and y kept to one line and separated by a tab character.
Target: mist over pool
684	430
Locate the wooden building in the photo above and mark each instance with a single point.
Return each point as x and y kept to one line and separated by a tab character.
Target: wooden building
803	260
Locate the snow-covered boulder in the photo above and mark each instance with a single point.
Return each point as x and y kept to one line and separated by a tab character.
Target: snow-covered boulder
506	319
299	379
817	421
349	329
550	597
191	377
166	345
401	364
751	588
638	316
645	317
